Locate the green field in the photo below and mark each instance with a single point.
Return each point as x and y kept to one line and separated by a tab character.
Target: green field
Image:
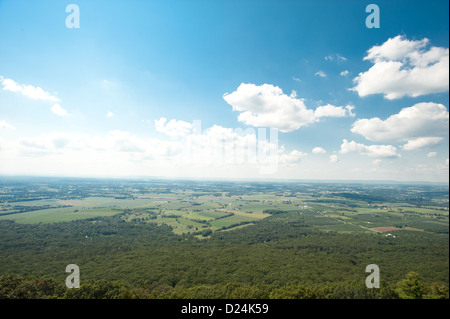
212	212
67	210
195	210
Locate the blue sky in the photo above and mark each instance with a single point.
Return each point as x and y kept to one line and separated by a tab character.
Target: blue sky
91	101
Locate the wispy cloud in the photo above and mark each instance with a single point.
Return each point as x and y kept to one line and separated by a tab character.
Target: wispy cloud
422	142
377	162
173	127
58	110
30	91
35	93
6	125
321	74
335	57
379	151
334	158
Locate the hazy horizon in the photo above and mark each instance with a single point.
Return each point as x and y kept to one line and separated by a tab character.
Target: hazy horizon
222	179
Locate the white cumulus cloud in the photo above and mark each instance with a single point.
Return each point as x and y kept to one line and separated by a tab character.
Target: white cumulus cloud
318	150
334	111
404	67
422	120
267	106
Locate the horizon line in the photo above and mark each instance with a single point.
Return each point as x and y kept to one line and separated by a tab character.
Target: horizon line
223	179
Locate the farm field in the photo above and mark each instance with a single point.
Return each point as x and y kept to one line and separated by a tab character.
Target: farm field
198	208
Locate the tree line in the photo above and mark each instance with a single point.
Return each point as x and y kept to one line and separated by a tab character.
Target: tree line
14	286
